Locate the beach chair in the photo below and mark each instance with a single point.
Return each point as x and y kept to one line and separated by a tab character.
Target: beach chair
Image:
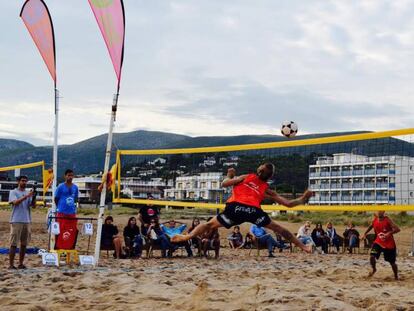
368	241
107	248
341	245
355	249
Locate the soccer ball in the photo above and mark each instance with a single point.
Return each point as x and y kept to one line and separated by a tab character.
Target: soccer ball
289	129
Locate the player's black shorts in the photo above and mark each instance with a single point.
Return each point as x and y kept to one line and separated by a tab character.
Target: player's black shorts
237	213
390	255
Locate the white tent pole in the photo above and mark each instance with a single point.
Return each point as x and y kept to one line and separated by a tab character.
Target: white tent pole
105	174
55	161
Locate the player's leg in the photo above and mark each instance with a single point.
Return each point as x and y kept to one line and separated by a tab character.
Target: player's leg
390	255
374	255
199	230
287	235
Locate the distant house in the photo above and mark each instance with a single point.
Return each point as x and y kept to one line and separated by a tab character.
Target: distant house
158	161
206	186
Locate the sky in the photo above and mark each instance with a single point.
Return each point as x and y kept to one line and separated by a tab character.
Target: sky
213	67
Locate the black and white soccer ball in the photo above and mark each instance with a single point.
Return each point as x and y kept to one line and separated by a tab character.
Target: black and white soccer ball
289	129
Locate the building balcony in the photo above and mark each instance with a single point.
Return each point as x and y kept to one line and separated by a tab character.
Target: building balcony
391	185
335	186
382	198
314	174
346	173
357	198
357	185
335	173
325	186
346	198
346	186
358	172
369	185
382	185
382	172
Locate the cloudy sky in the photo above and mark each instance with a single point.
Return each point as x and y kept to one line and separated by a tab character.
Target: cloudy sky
214	67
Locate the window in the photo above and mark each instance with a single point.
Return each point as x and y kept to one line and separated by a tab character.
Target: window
411	194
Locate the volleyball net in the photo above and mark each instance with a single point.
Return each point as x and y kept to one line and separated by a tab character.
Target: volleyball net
39	178
367	171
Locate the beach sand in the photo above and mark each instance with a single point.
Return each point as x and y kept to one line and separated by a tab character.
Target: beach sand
237	281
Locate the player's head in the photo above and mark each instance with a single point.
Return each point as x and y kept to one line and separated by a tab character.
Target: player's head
236	229
68	175
380	214
22	181
266	171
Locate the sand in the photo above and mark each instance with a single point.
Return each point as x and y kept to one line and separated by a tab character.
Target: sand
237	281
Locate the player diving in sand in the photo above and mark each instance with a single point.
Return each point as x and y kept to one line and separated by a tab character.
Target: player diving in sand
244	205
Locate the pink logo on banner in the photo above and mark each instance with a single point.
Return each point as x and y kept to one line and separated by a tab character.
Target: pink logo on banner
111	21
37	19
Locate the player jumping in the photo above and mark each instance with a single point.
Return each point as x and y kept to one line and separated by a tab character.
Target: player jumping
244	205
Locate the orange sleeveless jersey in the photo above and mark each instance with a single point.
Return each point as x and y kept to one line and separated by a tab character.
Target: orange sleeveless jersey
251	191
383	226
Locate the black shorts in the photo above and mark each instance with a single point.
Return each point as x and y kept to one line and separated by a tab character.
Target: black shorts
390	255
237	213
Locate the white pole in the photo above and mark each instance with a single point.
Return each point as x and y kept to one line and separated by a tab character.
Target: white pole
105	173
55	160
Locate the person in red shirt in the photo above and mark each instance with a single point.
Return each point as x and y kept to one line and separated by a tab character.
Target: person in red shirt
384	242
244	205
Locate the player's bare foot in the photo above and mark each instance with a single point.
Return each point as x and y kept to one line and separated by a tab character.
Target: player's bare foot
307	249
180	238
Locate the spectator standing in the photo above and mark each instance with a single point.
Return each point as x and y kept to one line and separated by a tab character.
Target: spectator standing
20	220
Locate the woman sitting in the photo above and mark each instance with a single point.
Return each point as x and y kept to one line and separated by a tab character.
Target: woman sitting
211	240
110	238
133	238
158	237
195	242
320	238
236	238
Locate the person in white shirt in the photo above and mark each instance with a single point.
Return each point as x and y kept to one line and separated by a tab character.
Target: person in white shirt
305	235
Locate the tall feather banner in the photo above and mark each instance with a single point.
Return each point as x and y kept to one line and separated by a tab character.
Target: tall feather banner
111	21
36	17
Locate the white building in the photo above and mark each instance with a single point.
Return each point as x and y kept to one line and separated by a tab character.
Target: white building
356	179
206	186
158	161
209	161
135	188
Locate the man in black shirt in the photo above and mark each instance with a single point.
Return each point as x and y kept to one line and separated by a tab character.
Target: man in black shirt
146	213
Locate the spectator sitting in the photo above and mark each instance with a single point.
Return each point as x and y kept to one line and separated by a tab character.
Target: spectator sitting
196	242
236	238
320	238
304	234
265	238
171	230
132	238
211	240
147	213
110	237
248	241
333	236
352	235
157	236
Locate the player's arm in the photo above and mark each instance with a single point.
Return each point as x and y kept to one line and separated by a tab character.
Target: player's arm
270	194
366	232
233	181
395	228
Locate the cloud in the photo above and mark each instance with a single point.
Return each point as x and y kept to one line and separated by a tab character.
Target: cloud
215	68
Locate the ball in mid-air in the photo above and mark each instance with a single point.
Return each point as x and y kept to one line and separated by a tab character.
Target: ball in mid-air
289	129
